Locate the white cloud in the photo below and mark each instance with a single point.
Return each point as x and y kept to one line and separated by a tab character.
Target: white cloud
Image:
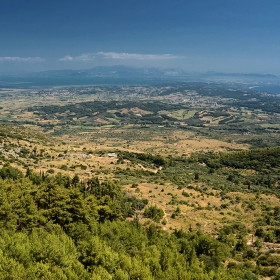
21	59
82	57
137	56
66	58
119	56
86	57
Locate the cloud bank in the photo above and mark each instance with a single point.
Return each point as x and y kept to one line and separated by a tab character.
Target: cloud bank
118	56
21	59
137	56
82	57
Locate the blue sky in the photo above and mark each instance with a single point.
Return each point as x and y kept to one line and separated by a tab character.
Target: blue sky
202	35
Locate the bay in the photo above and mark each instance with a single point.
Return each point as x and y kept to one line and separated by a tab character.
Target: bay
271	89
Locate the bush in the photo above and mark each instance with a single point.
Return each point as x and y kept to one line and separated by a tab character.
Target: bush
64	167
154	213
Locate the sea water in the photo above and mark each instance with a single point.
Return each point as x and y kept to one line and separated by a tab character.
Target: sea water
271	89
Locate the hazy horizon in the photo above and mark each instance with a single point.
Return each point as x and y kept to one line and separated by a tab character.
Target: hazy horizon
223	36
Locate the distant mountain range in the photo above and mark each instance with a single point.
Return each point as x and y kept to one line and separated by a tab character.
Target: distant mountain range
234	76
116	71
125	75
121	71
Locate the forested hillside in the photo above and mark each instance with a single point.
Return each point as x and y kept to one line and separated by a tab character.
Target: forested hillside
57	227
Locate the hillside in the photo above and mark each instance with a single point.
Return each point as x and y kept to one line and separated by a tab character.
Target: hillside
177	181
199	216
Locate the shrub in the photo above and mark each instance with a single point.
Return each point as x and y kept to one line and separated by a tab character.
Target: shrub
154	213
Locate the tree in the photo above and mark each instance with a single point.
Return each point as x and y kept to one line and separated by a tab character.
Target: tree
10	172
154	213
75	180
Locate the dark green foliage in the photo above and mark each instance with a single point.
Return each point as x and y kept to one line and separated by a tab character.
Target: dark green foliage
229	166
154	213
50	171
34	177
10	172
75	180
269	260
58	228
257	159
46	253
108	188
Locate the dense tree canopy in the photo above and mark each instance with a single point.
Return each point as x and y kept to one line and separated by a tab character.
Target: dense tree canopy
54	229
